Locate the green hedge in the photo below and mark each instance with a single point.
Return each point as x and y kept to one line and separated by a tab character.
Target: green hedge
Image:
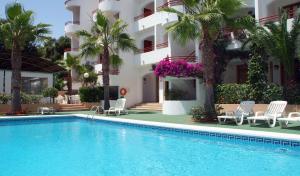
235	93
95	94
25	98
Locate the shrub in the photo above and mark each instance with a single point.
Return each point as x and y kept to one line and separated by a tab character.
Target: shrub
178	68
199	113
30	99
235	93
90	94
50	92
292	92
231	93
273	92
4	98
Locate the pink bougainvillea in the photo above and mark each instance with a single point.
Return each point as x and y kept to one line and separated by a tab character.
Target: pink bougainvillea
178	68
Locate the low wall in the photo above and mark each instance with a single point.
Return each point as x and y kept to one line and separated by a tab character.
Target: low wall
260	107
4	108
178	107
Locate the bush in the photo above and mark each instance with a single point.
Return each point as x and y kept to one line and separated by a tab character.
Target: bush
231	93
90	94
50	92
273	92
30	99
292	93
199	113
4	98
235	93
95	94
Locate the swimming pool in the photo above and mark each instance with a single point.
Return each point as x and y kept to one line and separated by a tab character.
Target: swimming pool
81	147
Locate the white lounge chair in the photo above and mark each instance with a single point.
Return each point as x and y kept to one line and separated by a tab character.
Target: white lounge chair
274	111
119	107
45	110
292	117
244	110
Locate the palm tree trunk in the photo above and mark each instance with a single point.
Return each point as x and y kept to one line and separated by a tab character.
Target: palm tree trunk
208	60
105	77
16	64
69	84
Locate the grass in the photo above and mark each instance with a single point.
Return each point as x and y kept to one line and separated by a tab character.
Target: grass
186	119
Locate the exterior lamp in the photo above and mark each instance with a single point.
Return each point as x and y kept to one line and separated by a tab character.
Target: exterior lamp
86	75
234	43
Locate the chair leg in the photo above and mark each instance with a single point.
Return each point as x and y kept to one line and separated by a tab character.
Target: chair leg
252	122
239	121
221	122
273	120
284	124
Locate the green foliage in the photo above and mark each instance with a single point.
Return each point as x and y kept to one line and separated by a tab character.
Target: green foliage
54	49
4	98
95	94
91	94
292	93
235	93
272	92
257	79
232	93
199	112
58	80
50	92
30	99
91	80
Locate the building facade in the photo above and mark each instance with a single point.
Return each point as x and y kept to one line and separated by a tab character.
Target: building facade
146	24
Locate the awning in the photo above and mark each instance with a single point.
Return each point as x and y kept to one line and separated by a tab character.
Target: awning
29	63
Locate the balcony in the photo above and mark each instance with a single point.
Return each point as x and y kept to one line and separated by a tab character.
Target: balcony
71	27
170	3
70	4
112	6
72	51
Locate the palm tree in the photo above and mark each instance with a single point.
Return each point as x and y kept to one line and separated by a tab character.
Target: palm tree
106	39
71	63
282	43
18	29
204	20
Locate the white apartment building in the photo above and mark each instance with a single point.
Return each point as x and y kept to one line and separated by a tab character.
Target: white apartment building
146	24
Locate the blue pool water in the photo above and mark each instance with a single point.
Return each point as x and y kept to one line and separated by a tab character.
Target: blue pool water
78	147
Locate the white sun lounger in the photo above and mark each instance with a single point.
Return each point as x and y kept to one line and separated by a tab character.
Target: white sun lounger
275	110
118	109
243	110
292	117
45	110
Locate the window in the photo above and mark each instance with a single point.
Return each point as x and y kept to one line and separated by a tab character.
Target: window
33	85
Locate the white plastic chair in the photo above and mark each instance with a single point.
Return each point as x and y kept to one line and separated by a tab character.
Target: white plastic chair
244	110
275	110
292	117
118	108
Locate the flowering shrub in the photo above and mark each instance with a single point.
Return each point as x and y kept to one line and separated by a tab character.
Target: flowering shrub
178	68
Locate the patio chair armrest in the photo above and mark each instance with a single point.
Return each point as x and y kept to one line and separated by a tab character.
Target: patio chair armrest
259	113
294	114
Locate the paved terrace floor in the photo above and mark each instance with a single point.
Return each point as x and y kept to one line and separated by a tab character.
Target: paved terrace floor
186	119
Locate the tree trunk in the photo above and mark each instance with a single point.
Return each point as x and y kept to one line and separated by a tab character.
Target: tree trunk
105	77
208	61
69	85
16	64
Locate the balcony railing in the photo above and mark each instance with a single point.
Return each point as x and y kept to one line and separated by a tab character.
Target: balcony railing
162	45
145	50
170	3
71	49
189	58
142	16
274	18
72	22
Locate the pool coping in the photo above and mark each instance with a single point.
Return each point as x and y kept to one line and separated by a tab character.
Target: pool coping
229	131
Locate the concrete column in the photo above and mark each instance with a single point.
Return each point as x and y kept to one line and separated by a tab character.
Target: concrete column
161	90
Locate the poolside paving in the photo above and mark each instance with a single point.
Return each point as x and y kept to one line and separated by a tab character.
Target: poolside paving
186	119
